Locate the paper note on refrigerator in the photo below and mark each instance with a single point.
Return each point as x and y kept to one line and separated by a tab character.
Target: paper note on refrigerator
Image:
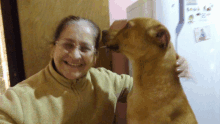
202	33
191	2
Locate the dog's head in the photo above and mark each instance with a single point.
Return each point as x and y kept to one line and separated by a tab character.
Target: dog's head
138	37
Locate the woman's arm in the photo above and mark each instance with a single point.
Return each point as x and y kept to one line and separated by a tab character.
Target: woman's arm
10	108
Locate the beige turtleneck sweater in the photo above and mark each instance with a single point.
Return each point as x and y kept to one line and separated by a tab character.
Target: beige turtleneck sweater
49	98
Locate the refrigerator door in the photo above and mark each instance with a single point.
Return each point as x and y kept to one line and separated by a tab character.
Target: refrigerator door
195	32
197	42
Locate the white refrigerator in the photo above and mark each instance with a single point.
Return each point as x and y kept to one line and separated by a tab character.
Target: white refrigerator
195	32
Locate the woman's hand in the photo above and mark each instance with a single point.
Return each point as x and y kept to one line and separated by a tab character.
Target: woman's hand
182	67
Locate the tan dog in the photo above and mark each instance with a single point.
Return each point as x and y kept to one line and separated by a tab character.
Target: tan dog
157	96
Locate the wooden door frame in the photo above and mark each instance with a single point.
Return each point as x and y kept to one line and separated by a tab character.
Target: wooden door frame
13	41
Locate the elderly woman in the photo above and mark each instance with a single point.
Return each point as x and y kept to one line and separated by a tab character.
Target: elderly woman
69	90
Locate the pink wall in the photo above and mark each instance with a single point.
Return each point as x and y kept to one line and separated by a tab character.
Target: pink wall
117	9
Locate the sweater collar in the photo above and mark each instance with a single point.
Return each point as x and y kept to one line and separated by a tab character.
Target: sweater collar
77	83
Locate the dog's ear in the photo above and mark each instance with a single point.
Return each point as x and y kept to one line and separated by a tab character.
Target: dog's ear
163	37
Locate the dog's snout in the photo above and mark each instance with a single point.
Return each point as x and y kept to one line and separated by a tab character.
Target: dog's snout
113	47
105	36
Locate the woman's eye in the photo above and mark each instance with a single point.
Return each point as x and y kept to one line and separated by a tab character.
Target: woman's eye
68	46
84	49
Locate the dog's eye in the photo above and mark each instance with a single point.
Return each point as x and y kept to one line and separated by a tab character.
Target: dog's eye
129	25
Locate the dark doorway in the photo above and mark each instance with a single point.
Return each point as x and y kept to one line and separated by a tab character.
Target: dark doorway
13	41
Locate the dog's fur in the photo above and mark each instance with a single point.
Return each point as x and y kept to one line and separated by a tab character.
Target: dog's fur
157	96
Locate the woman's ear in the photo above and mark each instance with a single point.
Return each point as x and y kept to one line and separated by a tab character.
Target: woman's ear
96	55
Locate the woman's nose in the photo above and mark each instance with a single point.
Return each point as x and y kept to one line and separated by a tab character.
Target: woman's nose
75	53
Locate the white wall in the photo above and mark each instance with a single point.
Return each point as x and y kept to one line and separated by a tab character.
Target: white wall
117	9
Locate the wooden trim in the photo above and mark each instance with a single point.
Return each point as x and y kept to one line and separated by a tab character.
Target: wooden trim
13	41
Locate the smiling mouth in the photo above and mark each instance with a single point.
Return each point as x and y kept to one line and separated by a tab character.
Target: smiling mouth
73	65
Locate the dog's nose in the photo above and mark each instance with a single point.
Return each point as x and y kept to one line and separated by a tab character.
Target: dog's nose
106	40
113	47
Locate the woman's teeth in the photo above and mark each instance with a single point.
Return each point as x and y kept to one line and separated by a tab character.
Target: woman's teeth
72	64
75	64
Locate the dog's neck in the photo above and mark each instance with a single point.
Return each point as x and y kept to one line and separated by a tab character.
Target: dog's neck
158	71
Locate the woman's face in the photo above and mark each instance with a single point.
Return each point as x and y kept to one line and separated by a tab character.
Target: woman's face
74	52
